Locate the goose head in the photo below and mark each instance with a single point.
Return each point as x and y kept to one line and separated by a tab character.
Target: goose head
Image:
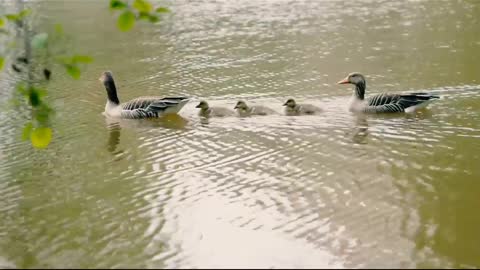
354	78
358	80
241	105
290	103
107	79
203	105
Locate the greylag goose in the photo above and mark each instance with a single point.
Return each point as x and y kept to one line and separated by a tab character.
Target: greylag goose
384	103
207	111
244	110
292	108
141	107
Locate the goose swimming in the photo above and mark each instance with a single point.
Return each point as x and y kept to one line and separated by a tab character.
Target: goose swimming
384	103
293	108
141	107
244	110
207	111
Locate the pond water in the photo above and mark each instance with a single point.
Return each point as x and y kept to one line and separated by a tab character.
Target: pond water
329	190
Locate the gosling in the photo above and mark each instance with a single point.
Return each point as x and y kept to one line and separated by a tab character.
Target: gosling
292	108
244	110
207	111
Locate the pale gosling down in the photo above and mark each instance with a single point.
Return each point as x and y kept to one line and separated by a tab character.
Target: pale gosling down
292	108
244	110
207	111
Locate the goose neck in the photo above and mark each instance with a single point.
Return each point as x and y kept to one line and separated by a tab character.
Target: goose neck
111	92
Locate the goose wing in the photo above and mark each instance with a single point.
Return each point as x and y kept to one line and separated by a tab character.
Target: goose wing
148	107
390	103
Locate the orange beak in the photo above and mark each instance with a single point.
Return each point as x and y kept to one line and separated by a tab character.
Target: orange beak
344	81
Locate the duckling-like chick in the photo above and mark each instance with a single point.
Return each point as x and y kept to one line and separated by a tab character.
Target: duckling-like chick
292	108
207	111
244	110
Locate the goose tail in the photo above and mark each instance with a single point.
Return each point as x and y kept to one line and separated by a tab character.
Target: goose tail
174	104
424	96
418	101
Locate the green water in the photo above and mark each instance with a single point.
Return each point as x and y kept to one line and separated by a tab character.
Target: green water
330	190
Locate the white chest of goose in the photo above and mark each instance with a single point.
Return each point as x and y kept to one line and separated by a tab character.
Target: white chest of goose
141	107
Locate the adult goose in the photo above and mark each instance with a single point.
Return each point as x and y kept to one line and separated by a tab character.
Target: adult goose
141	107
293	108
384	103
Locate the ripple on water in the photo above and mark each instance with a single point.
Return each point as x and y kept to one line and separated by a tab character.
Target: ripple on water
329	190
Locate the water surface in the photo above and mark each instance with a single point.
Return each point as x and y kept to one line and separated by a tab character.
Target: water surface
330	190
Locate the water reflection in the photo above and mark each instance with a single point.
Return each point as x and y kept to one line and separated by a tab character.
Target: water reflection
360	130
204	121
171	121
114	127
114	131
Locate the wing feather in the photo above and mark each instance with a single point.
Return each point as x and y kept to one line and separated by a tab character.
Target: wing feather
148	107
390	103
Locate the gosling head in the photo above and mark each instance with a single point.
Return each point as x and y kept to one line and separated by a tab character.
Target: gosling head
241	105
353	78
290	103
203	105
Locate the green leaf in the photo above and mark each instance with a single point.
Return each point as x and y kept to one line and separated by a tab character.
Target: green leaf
73	71
153	18
126	21
34	97
59	29
41	137
42	113
162	10
143	6
82	59
39	41
23	13
12	17
148	17
144	16
41	92
21	89
2	22
2	61
27	130
117	4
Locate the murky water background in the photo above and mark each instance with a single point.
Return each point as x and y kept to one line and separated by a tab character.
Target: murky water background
332	190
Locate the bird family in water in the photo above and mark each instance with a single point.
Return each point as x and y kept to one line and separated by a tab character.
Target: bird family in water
152	107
